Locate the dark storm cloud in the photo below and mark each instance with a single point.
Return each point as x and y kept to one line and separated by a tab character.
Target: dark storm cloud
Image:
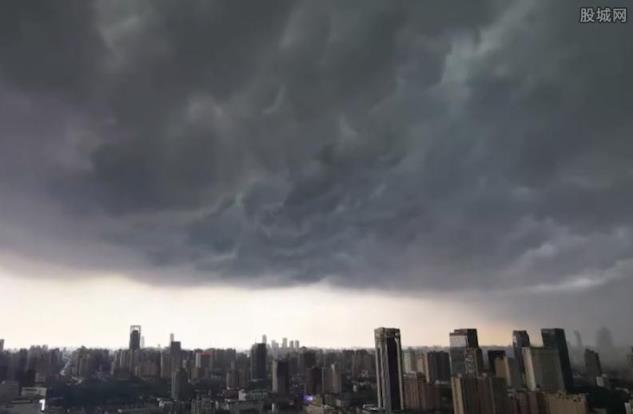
464	146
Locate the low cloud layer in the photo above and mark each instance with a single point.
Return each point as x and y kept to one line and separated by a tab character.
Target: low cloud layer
470	146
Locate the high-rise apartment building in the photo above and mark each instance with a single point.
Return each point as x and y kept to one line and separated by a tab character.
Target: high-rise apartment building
520	340
465	354
258	362
593	367
554	338
420	395
542	369
508	369
337	378
389	369
437	366
473	362
331	379
281	377
179	380
493	355
175	356
409	361
363	363
479	395
314	381
135	337
307	359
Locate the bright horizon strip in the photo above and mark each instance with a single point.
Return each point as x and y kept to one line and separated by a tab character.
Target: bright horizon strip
97	312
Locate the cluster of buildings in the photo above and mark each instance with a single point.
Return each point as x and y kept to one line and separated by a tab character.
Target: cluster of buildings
27	367
465	378
528	379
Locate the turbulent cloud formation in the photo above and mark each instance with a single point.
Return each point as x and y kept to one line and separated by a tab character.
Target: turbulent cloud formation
467	146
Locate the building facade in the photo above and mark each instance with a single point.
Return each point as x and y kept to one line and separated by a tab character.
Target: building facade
554	338
390	390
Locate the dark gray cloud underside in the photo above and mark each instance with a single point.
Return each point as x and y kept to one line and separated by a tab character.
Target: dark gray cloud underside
465	146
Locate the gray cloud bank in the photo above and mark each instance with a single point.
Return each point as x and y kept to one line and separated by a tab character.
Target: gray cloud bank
449	147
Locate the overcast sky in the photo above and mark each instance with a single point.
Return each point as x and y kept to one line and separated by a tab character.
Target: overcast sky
313	169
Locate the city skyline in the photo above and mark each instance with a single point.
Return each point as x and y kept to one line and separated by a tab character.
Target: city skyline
555	378
135	340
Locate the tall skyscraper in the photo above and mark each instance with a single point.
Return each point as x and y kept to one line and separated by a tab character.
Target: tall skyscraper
135	337
520	340
542	369
554	338
389	369
171	338
258	362
281	377
179	380
470	336
284	344
175	356
437	366
1	345
465	354
592	364
264	339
